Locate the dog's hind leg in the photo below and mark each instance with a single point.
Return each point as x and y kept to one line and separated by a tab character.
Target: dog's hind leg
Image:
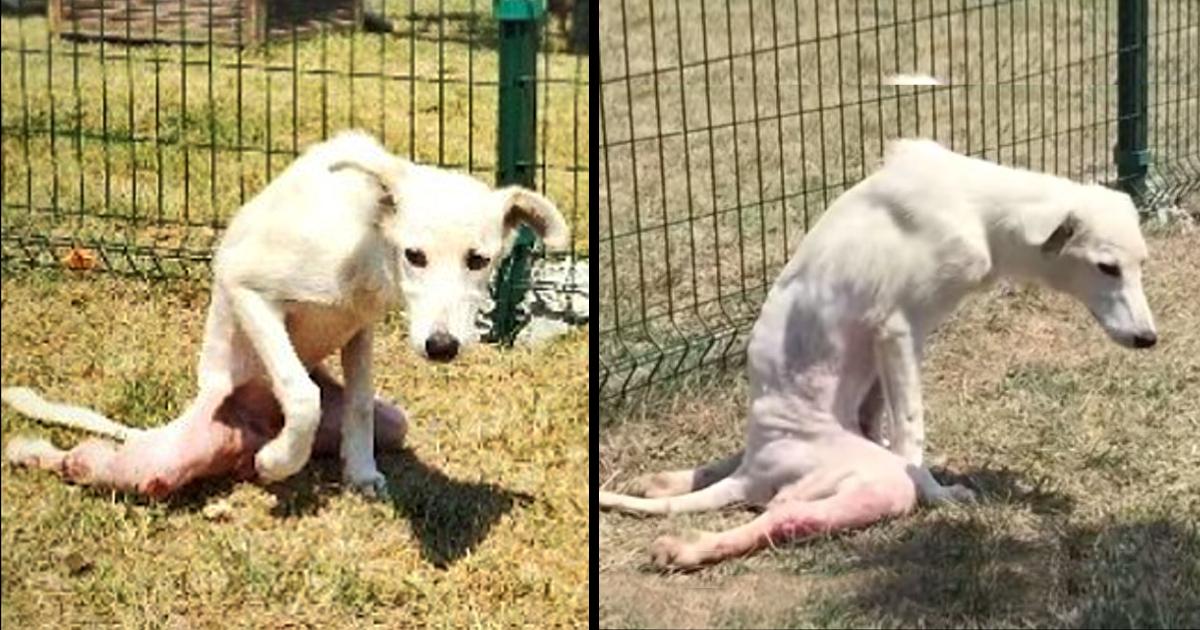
676	482
725	492
391	423
208	439
791	516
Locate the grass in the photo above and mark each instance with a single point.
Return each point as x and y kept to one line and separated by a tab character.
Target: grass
157	145
728	127
1084	455
488	516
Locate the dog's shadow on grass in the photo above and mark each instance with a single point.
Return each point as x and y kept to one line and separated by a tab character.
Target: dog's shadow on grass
449	517
1007	486
1038	565
975	573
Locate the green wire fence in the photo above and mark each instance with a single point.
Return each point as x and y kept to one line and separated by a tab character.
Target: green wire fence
133	129
727	126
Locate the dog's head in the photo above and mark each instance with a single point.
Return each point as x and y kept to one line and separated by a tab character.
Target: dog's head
449	231
1093	250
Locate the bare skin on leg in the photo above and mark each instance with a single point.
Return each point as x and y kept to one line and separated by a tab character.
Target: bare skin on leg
215	440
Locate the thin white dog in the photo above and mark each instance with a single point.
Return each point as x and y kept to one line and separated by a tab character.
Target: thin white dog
304	270
839	340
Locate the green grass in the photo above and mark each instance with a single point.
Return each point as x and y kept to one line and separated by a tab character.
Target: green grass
485	528
160	145
1084	455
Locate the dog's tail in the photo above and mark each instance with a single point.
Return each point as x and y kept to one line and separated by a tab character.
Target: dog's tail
28	402
725	492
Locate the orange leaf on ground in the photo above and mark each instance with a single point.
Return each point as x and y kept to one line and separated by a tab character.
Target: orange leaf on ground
80	259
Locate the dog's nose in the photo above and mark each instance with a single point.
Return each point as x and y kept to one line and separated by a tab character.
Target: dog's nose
1145	341
441	346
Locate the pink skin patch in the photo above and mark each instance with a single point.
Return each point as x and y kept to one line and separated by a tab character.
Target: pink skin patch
855	503
215	438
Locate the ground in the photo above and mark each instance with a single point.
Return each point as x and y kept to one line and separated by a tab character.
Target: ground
1084	454
490	499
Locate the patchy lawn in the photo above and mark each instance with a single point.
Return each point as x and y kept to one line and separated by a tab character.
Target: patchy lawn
1086	456
485	529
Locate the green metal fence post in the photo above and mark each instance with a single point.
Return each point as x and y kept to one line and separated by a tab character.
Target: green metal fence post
519	22
1132	156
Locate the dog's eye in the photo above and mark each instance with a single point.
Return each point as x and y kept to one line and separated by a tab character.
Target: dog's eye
415	257
1109	270
476	261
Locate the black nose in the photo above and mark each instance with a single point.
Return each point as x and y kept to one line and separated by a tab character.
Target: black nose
1145	341
441	346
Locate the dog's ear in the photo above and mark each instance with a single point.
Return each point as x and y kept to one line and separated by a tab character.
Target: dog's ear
523	206
388	176
1061	235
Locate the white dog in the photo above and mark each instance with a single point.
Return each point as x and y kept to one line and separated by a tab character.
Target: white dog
840	338
303	271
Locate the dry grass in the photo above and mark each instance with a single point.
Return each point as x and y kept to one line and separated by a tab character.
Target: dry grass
485	529
1084	454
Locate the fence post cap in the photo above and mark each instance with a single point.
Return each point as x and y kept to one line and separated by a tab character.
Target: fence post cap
518	10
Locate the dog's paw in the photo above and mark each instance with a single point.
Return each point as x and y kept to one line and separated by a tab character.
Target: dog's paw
957	494
670	552
279	459
961	494
369	483
27	451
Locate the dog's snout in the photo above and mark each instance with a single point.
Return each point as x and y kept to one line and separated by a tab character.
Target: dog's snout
1146	340
441	346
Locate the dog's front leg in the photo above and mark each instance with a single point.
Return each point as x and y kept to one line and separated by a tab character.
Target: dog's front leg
358	421
900	380
899	369
299	397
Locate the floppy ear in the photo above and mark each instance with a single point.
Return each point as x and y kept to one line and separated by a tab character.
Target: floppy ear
387	175
1061	235
520	205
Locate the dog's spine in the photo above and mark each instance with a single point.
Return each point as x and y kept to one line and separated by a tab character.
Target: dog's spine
28	402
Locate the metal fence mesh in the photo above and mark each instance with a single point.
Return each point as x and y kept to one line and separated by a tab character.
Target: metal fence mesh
727	126
127	149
